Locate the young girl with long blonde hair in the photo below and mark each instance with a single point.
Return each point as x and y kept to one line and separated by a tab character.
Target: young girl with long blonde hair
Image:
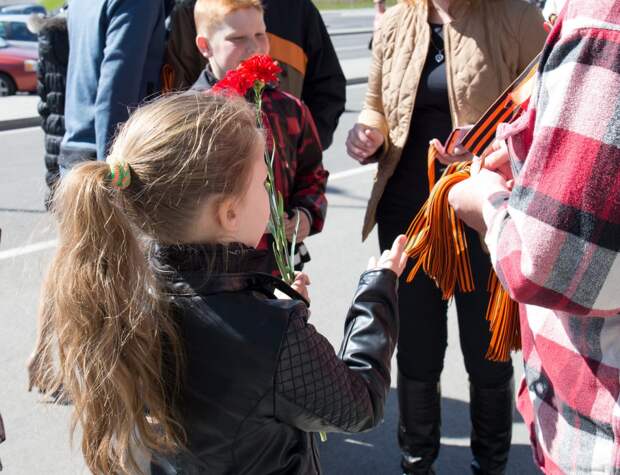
157	329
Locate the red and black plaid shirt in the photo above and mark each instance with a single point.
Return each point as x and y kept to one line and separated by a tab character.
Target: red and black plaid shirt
298	164
555	243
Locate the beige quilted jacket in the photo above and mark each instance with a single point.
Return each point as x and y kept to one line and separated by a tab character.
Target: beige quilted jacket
487	44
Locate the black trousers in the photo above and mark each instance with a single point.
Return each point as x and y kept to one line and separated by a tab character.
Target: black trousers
423	334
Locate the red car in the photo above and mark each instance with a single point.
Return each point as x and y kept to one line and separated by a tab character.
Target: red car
18	69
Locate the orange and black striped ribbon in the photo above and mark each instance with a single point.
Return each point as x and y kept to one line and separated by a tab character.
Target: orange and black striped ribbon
503	109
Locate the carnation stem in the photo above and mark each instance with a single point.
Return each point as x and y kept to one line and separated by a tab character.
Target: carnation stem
284	260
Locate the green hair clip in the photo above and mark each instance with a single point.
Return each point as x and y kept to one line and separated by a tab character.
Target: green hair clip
120	174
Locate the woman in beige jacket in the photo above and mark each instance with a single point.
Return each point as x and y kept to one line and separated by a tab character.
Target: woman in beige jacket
437	65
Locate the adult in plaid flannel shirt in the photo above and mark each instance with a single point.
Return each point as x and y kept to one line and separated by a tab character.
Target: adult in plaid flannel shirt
554	240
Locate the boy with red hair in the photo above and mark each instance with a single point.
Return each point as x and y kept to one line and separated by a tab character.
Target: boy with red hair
229	32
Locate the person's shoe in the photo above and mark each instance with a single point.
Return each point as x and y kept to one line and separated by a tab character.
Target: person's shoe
419	425
491	433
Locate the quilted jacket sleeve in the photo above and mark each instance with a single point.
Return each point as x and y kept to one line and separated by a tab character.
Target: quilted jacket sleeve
317	390
373	114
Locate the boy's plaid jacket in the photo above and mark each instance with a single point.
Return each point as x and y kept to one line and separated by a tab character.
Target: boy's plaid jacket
555	243
298	164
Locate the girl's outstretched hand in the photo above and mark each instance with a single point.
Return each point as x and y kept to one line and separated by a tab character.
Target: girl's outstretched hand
300	284
395	259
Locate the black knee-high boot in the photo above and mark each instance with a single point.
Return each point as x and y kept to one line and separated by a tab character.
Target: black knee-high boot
419	426
491	419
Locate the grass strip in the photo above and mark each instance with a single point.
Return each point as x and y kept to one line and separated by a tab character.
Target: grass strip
347	4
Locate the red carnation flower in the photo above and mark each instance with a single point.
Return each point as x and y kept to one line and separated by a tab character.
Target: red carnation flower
262	68
235	82
258	68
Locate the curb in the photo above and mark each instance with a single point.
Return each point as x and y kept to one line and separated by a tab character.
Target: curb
355	81
21	123
350	31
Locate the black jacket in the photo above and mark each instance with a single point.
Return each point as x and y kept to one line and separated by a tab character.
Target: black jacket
296	29
259	378
51	79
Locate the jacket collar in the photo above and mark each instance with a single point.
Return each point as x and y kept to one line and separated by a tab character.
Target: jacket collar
212	269
215	259
207	80
458	9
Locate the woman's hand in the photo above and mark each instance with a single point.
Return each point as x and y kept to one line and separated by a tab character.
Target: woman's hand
395	259
459	155
363	142
300	284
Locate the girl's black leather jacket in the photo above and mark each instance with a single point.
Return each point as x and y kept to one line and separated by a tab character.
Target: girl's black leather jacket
259	379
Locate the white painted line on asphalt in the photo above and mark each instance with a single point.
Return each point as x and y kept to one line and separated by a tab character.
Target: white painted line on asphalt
350	32
455	441
352	172
358	442
353	48
29	249
42	246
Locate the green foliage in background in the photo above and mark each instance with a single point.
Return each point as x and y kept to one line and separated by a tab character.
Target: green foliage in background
51	5
337	4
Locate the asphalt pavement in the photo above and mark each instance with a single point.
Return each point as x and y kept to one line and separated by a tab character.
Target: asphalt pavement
38	433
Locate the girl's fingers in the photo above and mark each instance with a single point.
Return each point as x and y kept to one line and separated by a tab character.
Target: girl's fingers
372	263
394	258
403	262
398	246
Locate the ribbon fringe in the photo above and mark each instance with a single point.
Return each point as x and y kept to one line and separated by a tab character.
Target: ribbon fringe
436	238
